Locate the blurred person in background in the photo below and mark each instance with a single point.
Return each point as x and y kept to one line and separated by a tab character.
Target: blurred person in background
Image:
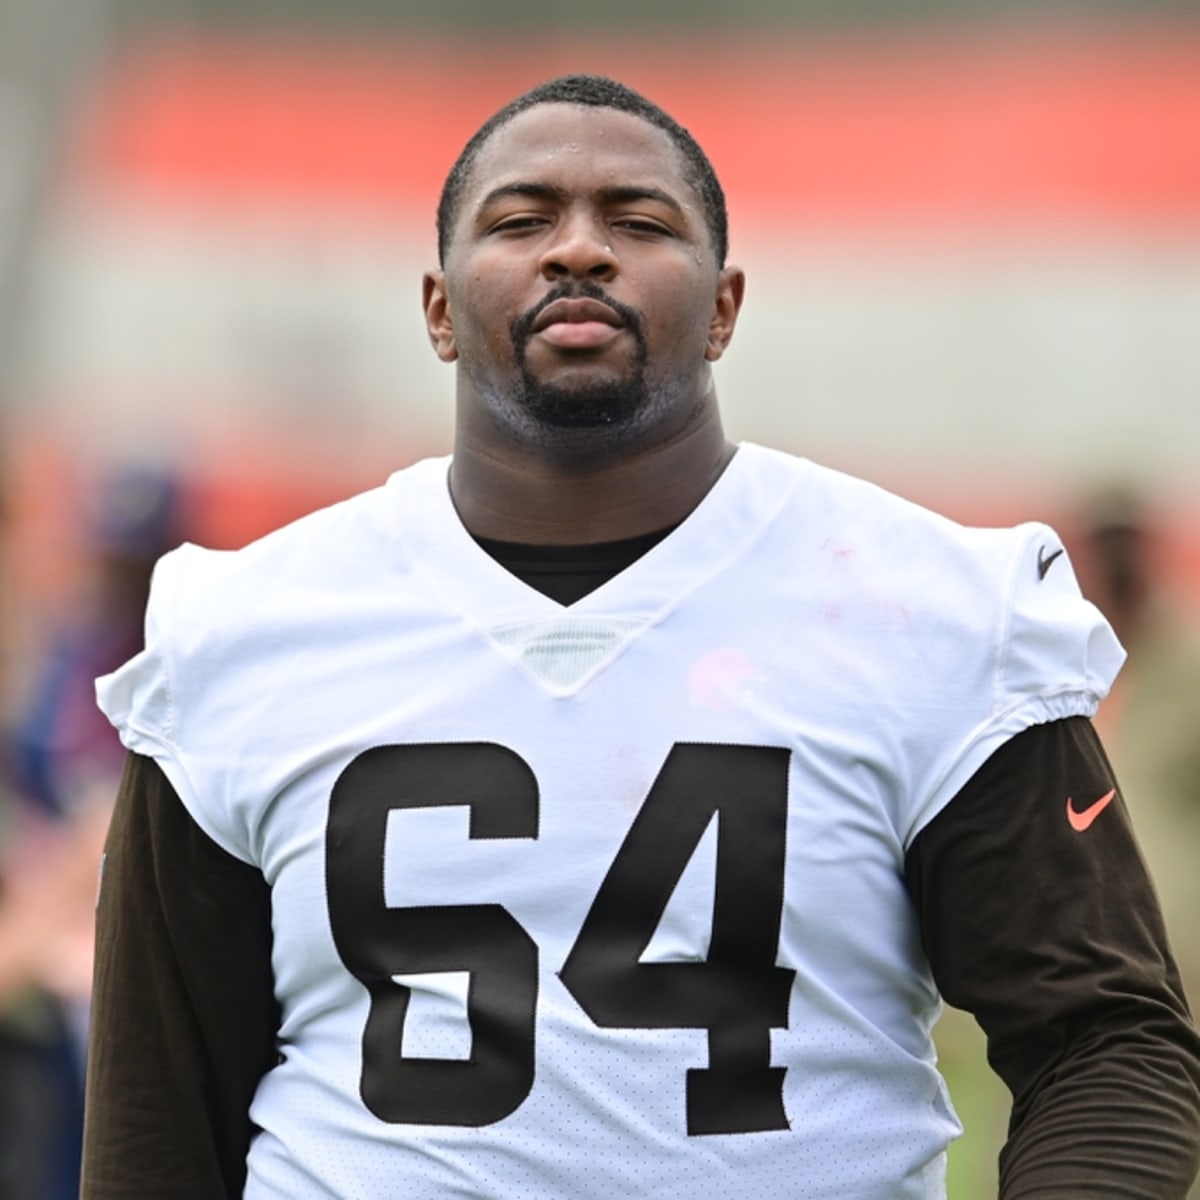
1151	719
45	879
61	766
38	931
63	754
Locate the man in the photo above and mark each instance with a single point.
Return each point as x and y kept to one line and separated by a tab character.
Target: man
599	812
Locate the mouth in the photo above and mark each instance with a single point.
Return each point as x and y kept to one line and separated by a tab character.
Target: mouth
578	324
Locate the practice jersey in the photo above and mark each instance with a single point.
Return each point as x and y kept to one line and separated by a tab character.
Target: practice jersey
605	899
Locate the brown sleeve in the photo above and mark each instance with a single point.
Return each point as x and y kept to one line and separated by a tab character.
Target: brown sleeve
184	1016
1049	932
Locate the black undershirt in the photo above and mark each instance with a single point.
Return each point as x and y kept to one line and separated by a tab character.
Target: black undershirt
1052	940
568	573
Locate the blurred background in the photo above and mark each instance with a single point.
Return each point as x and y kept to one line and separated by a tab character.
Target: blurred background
972	235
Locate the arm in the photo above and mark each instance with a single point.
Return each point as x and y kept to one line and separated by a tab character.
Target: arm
1051	936
183	1013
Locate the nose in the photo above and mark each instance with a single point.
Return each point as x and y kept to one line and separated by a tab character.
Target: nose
580	249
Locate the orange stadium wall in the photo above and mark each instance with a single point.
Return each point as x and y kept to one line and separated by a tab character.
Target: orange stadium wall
866	141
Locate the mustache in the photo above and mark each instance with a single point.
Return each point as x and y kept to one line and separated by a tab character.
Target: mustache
522	326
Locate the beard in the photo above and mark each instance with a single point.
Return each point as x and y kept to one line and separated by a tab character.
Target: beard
589	404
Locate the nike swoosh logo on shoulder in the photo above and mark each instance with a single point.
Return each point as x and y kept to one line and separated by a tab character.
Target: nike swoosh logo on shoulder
1046	561
1081	821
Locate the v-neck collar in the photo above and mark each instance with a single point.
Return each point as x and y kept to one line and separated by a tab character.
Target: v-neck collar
734	513
568	573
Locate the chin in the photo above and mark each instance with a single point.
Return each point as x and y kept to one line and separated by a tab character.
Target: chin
594	406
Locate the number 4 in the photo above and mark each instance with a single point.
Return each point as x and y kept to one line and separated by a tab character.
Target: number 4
738	993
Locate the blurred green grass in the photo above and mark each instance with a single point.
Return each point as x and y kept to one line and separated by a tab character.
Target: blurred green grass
982	1103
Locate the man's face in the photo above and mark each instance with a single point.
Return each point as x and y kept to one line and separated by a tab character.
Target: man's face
580	290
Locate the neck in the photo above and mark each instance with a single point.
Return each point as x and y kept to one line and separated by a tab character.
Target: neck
510	495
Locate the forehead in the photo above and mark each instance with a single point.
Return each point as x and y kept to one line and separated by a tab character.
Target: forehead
577	147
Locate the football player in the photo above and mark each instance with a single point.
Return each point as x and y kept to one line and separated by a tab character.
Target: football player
607	809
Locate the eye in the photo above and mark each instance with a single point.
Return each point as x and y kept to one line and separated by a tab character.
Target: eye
644	225
519	224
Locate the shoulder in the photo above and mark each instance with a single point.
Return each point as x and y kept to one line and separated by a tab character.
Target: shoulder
963	635
343	544
881	539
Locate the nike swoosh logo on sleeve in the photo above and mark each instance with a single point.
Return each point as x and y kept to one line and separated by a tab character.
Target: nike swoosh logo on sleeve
1081	821
1046	561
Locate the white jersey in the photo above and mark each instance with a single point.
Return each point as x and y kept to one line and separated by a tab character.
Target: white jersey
602	900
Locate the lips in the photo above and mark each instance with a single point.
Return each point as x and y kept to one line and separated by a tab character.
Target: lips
580	311
578	324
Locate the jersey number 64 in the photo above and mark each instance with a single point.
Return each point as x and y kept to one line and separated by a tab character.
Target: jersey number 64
737	993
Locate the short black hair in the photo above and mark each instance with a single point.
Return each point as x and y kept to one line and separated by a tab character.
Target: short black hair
596	91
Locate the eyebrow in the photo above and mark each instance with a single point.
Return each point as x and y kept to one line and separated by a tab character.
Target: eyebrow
617	194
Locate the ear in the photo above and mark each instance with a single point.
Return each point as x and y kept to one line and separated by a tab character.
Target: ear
437	315
731	288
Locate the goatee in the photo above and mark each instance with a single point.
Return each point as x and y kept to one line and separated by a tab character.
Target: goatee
597	404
